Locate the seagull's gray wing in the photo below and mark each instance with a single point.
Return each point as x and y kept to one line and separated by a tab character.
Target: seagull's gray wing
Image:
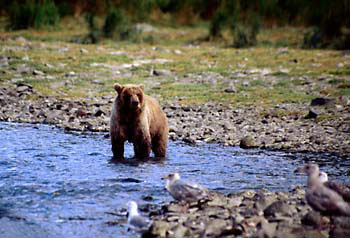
139	223
327	202
187	191
341	189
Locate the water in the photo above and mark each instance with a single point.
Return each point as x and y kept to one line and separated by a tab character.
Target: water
56	184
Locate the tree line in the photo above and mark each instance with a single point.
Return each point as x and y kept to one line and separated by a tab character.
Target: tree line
330	20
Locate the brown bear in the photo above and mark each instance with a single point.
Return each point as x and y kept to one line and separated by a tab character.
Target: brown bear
139	119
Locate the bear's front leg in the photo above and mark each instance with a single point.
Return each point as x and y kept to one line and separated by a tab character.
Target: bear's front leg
117	148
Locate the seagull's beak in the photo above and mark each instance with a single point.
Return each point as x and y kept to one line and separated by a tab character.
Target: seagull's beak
299	170
165	177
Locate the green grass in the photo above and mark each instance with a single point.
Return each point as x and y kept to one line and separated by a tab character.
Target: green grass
285	83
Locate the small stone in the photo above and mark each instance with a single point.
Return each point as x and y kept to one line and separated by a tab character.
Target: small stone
267	230
313	219
147	198
38	72
180	231
311	115
80	113
162	72
158	229
216	227
22	88
278	207
70	74
84	51
190	140
320	101
172	207
98	112
263	201
21	39
230	90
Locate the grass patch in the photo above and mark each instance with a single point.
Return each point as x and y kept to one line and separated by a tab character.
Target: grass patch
341	72
53	53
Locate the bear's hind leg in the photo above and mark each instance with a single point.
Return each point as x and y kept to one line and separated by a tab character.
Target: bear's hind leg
159	147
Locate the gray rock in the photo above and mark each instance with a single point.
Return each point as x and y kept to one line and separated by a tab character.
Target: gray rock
98	112
162	72
158	229
180	231
38	72
247	142
313	219
70	74
21	39
216	227
278	207
263	201
144	27
320	101
266	230
231	89
177	52
22	88
311	115
84	51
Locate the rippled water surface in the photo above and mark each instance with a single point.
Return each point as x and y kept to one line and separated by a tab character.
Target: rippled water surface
57	184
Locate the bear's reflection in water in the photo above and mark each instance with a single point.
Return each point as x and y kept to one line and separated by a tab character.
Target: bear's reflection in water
137	161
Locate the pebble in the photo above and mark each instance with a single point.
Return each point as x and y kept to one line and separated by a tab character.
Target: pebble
207	220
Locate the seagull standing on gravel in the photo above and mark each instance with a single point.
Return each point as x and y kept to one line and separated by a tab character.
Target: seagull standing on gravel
184	191
321	198
135	220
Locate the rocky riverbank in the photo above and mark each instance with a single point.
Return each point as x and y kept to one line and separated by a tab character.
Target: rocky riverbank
260	214
321	126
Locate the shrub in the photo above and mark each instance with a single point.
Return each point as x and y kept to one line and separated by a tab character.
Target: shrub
32	14
245	34
217	24
116	25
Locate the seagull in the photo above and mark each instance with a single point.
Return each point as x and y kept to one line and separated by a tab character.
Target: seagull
320	197
342	189
184	191
137	222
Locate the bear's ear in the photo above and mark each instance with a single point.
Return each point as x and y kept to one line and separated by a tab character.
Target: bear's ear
118	88
142	87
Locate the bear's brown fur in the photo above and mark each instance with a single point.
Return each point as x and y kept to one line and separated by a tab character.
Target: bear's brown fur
139	119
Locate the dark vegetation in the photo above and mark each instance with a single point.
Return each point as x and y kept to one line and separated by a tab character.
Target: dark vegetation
328	21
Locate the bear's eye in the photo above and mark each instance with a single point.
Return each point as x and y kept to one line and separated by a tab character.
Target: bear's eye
126	97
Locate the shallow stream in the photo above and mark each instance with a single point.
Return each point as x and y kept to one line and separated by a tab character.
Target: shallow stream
57	184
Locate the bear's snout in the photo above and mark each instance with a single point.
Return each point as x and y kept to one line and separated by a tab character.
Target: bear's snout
134	101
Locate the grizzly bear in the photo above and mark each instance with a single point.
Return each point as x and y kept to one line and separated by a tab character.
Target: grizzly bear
139	119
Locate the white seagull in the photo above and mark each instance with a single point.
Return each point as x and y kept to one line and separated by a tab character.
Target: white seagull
137	222
184	191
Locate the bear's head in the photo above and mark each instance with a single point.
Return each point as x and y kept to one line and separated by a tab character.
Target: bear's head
130	96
